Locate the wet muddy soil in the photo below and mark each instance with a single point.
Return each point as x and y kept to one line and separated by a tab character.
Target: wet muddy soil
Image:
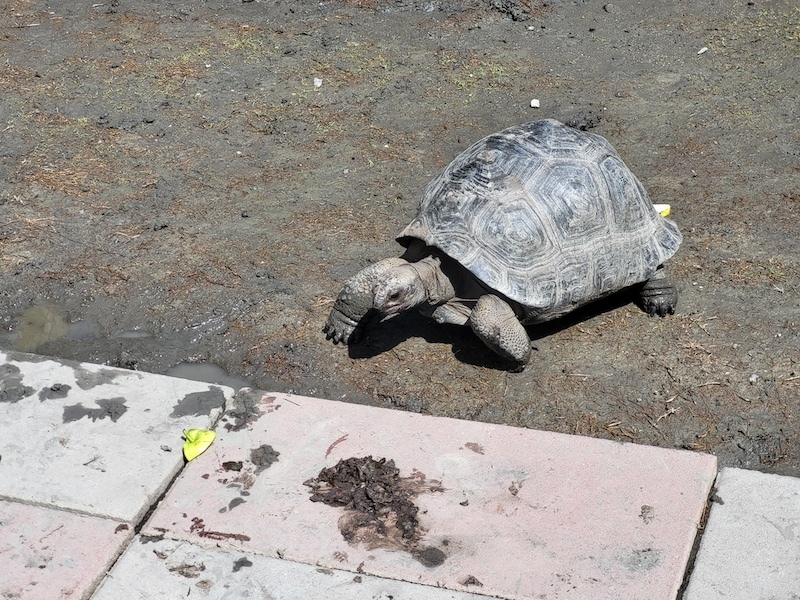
192	182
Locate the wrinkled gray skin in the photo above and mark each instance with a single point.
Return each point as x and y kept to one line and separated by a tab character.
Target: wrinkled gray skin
426	278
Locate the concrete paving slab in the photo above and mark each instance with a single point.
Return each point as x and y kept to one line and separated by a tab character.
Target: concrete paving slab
176	569
50	553
92	438
751	546
503	511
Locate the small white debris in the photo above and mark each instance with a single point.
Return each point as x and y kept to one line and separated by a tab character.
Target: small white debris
702	50
663	209
753	378
535	103
317	82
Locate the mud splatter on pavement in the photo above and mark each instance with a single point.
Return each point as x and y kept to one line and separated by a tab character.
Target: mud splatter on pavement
107	408
379	509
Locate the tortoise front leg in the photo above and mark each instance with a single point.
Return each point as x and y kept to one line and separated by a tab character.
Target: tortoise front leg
495	323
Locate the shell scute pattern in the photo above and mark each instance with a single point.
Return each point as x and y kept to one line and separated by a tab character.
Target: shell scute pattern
627	216
546	215
569	190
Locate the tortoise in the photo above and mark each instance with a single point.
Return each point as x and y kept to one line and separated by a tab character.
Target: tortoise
523	227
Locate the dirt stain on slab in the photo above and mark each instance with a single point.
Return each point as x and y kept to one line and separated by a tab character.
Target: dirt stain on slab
198	527
244	410
378	504
54	392
263	457
11	386
198	403
239	563
241	475
111	408
476	448
188	570
640	560
86	379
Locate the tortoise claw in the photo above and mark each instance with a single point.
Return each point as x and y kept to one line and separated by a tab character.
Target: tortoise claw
340	329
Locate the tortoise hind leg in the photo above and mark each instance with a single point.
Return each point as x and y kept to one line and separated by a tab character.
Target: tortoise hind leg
495	323
658	294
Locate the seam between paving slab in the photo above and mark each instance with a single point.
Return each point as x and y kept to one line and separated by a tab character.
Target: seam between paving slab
74	511
137	527
701	529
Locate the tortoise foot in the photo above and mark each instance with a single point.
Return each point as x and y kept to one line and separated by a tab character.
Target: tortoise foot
658	295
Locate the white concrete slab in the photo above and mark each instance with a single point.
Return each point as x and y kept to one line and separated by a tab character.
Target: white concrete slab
751	546
94	439
173	569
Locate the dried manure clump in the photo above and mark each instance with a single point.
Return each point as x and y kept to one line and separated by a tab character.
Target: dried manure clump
379	509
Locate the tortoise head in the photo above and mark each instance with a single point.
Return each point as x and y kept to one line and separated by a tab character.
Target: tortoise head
387	287
400	288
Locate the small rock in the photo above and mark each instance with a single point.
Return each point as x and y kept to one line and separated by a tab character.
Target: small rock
535	103
610	8
753	378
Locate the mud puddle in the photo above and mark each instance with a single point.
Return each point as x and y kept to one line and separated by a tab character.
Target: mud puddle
208	373
47	327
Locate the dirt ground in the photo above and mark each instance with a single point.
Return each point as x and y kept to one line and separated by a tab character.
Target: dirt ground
189	182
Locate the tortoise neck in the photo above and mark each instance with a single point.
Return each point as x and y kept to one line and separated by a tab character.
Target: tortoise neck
438	287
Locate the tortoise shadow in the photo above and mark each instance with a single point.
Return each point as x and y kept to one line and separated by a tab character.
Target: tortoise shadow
383	336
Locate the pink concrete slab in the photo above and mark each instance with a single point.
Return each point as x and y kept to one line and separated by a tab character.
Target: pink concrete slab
517	514
52	554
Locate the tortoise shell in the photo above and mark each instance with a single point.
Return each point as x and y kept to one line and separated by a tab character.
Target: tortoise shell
546	215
